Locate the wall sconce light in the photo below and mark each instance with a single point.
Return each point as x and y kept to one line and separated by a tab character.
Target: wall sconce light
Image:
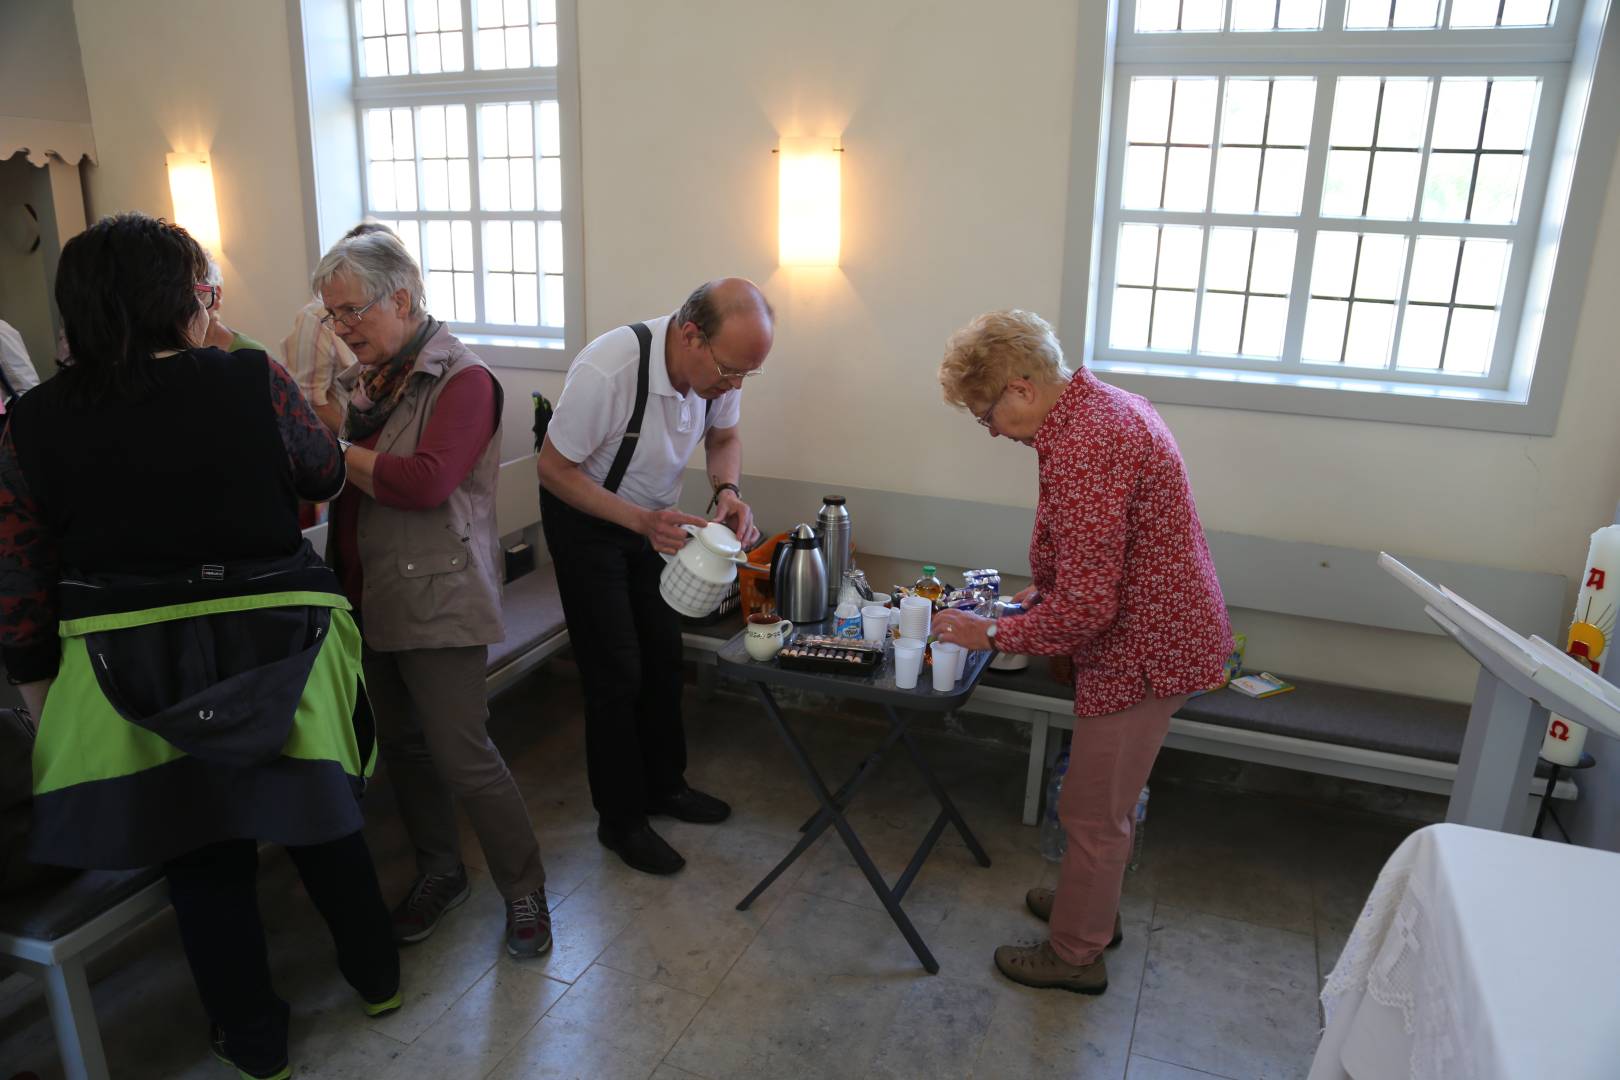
191	186
810	191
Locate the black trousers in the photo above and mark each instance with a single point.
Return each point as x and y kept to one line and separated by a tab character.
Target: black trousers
216	904
627	643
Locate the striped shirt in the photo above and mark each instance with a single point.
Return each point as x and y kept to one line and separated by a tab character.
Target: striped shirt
315	357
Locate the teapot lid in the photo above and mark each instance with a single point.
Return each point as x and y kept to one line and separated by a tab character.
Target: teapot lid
804	537
719	539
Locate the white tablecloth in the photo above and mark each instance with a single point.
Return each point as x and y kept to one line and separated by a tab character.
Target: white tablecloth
1483	956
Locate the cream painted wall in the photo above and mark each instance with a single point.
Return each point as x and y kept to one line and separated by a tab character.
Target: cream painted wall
956	129
192	75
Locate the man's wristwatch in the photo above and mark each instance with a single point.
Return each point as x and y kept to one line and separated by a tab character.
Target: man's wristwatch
990	632
714	500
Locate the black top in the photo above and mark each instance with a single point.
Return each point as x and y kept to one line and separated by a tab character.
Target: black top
206	468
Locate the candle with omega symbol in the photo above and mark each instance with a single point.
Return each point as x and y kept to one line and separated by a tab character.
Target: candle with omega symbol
1589	636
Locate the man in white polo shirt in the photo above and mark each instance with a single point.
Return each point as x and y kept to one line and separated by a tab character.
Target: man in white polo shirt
607	505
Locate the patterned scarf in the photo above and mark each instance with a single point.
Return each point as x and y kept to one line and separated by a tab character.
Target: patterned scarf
382	387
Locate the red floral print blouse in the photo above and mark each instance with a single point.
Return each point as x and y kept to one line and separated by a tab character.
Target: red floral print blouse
1127	585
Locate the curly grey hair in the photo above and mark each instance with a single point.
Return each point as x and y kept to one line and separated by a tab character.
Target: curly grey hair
378	262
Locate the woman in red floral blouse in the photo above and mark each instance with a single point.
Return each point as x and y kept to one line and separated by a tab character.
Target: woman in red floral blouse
1123	584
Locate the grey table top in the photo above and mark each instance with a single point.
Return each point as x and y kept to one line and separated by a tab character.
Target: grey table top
878	687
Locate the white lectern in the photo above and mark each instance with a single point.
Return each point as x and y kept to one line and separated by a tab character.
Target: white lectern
1520	681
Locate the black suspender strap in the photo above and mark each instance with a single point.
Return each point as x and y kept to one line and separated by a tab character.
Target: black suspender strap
632	433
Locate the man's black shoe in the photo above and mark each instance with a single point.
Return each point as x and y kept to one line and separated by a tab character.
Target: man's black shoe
693	806
640	848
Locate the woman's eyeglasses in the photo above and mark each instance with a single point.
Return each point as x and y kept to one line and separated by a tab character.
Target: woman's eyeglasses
349	317
207	296
988	420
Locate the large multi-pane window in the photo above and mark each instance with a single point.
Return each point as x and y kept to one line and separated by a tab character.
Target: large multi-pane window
1328	187
462	145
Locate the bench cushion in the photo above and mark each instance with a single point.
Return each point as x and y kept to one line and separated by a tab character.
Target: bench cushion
1317	711
56	908
532	610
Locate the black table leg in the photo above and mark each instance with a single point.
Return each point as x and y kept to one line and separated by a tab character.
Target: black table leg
940	795
835	814
862	771
1546	805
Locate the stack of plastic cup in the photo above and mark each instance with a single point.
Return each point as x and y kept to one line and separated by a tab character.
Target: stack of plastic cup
947	664
916	617
908	658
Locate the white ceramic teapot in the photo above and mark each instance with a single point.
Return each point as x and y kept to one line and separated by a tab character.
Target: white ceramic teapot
698	576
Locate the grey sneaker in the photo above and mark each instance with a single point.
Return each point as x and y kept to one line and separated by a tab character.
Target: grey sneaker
1038	966
430	897
1039	902
528	926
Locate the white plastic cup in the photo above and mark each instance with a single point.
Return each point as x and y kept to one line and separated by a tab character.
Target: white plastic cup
881	599
875	622
908	658
947	659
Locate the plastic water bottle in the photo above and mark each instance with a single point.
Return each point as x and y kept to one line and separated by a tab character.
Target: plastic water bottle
1138	828
1053	839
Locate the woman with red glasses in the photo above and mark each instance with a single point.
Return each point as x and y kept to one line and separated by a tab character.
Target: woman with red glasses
1123	584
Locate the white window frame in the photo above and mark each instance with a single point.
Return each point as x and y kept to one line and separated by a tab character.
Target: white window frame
1567	172
332	104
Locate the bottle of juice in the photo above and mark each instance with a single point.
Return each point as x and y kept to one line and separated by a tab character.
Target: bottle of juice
928	585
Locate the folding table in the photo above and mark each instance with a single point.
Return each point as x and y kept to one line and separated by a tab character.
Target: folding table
877	688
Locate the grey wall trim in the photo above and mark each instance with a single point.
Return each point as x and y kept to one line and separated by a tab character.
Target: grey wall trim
1091	104
319	36
1289	577
305	132
1589	136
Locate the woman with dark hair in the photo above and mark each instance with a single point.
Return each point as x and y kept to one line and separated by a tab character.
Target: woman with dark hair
149	520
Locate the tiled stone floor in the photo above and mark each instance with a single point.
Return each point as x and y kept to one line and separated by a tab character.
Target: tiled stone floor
1239	909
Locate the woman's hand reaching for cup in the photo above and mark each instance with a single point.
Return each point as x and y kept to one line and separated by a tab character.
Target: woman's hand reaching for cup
962	628
1028	598
663	529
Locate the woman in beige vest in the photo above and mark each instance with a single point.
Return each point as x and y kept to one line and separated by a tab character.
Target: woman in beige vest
414	539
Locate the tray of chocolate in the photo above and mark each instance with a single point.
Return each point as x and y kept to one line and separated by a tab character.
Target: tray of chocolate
831	655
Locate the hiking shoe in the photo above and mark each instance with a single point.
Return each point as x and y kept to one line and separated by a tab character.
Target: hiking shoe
640	848
689	804
430	897
528	926
1038	966
216	1043
1039	902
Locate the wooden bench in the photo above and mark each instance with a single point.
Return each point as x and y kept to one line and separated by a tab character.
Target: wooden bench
53	932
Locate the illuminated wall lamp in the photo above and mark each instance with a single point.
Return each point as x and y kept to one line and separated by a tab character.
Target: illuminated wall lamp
809	189
191	186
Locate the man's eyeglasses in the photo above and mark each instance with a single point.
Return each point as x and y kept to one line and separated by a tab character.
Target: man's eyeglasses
350	317
726	373
207	296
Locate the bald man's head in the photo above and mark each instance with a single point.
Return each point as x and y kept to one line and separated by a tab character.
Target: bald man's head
726	325
714	301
